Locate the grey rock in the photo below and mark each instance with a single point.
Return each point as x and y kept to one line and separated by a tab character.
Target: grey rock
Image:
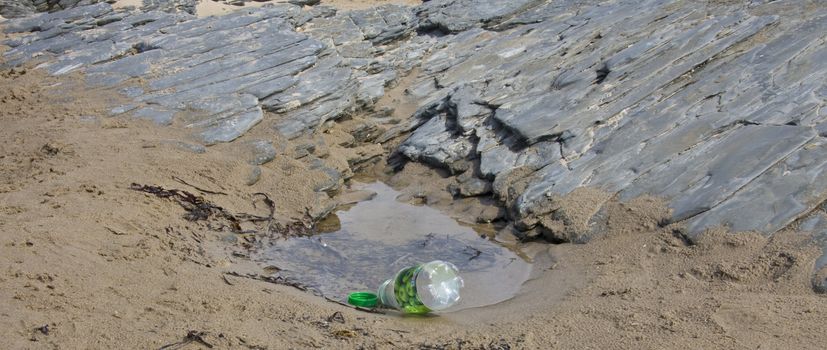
498	158
132	91
22	8
434	144
253	176
325	92
529	116
48	21
774	199
122	109
159	115
322	207
317	11
16	8
223	119
815	224
583	95
474	187
453	16
259	152
332	183
701	178
386	23
336	30
365	132
371	89
187	6
303	150
234	60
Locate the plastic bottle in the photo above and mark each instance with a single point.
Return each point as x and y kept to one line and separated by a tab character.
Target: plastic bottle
422	288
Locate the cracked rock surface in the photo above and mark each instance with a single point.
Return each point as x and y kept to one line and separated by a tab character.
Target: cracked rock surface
22	8
719	109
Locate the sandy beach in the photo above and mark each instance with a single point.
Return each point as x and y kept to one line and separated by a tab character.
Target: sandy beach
91	261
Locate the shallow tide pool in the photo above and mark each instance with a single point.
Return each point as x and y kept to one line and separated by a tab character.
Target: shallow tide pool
378	237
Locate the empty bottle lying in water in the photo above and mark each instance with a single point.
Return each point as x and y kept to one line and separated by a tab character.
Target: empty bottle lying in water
422	288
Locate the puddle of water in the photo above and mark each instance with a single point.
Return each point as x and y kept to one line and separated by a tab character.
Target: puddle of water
376	238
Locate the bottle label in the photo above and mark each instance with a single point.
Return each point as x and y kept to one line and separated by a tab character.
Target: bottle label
405	291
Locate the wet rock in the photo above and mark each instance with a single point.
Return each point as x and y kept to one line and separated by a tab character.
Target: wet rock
474	187
490	214
355	197
321	208
526	234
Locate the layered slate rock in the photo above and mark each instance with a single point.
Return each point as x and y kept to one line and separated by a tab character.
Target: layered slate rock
218	75
706	109
718	110
452	16
22	8
16	8
188	6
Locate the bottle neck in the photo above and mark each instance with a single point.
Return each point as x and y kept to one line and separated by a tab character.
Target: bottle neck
386	295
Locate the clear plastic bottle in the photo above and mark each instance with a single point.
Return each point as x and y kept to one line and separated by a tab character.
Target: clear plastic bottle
422	288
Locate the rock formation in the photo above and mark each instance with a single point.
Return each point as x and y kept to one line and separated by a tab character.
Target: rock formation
717	108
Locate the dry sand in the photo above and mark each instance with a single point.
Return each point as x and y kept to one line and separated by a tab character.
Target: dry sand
89	263
206	8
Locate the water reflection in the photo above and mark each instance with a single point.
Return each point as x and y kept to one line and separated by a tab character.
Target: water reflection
376	238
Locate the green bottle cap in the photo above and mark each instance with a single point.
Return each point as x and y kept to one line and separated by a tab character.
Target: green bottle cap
362	299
